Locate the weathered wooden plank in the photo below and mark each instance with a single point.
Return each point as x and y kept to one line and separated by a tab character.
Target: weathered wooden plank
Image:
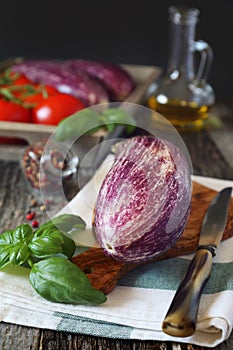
206	158
13	337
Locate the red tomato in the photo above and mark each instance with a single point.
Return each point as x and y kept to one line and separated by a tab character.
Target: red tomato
55	108
13	112
40	93
21	80
13	78
12	85
19	85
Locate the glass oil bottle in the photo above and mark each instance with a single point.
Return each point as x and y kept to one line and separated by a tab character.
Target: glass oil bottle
182	94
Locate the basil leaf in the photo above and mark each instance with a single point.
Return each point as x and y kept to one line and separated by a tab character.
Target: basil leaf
88	121
46	243
68	246
64	223
14	245
111	117
59	280
83	122
52	242
22	233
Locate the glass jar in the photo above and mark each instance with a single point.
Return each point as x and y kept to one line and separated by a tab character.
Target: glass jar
182	94
50	169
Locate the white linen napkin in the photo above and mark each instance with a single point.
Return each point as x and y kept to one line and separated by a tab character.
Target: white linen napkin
136	307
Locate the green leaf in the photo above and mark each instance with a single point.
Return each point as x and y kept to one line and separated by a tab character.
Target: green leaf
23	233
83	122
46	243
14	245
66	222
59	280
63	224
88	121
112	117
68	246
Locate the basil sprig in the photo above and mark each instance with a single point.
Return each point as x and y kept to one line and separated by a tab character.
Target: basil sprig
47	251
89	120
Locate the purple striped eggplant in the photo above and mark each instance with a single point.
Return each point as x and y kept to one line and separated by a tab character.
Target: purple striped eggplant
116	80
143	204
78	84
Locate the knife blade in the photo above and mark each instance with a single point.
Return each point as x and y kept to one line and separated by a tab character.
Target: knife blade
181	317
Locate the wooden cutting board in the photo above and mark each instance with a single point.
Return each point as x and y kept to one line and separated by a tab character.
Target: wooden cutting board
104	272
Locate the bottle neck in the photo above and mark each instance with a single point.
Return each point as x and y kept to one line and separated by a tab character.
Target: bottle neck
182	34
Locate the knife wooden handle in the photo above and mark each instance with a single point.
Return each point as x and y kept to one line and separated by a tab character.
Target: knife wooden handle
181	317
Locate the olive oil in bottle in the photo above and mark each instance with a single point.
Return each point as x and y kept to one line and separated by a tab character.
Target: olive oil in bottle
182	114
182	94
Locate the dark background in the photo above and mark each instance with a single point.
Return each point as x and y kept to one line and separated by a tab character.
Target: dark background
125	31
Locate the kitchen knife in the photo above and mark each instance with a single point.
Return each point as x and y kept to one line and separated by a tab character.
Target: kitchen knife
180	320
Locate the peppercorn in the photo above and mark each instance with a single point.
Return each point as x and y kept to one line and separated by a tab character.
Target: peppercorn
30	215
33	202
35	223
42	207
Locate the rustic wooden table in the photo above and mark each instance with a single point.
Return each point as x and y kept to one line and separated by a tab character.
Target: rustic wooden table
211	152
